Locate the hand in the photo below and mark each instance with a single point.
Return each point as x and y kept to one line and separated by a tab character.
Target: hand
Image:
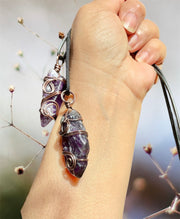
110	84
106	34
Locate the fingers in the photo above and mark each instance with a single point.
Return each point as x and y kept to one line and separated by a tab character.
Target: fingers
146	31
132	13
145	42
153	52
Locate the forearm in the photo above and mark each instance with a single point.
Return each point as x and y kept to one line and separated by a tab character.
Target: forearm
110	116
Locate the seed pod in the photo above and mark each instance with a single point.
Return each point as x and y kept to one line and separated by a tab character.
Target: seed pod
75	142
53	84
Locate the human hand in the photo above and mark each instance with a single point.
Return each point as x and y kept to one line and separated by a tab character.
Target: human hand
110	85
106	34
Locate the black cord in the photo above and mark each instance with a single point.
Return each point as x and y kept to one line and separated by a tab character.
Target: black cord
171	107
68	48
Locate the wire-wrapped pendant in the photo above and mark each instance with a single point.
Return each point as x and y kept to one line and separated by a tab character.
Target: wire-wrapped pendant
52	87
74	141
74	135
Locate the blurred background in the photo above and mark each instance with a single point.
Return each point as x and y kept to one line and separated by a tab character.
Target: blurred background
147	192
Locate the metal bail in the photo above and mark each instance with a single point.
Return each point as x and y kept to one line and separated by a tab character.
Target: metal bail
70	96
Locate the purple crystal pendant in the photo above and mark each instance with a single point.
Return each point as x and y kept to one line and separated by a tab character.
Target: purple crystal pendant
74	135
52	87
74	140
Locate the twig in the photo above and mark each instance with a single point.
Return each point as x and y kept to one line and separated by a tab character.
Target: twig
31	68
11	124
4	120
11	107
170	164
169	210
29	136
164	175
157	213
36	155
5	126
21	21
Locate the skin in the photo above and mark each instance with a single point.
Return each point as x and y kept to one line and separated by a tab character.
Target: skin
110	83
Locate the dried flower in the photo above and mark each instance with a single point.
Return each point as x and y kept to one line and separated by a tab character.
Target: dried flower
19	170
45	132
20	53
17	67
61	35
148	149
20	20
174	151
11	88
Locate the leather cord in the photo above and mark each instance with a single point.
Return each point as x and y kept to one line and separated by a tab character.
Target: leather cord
68	48
66	58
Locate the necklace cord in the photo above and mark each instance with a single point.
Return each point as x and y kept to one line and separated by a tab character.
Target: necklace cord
171	107
68	48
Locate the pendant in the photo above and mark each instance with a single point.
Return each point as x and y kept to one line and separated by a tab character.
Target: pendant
52	87
74	139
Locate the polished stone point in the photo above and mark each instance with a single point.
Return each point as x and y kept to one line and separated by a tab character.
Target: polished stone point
52	87
75	142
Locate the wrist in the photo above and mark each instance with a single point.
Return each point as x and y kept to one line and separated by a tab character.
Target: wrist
110	87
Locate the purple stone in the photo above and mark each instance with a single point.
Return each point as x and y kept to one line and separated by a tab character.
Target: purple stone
53	84
75	142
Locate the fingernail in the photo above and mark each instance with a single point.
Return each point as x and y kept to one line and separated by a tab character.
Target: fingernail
133	41
142	56
130	22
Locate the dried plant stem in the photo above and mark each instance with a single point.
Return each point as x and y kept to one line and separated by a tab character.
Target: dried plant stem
36	155
29	136
173	208
31	68
11	124
11	108
157	213
4	120
164	175
169	210
38	36
170	164
177	212
5	126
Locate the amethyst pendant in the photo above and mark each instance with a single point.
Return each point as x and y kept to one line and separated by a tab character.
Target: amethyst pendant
52	87
75	142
